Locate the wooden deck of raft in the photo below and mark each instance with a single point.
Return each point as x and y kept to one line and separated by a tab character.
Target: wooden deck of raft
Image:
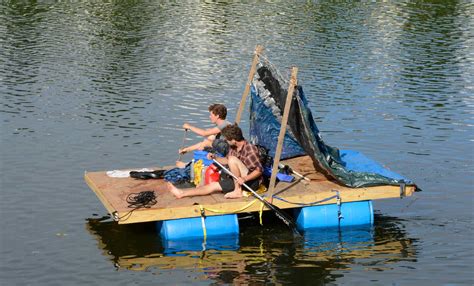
113	192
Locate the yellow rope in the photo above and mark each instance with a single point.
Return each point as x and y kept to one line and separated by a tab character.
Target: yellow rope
261	189
203	223
229	212
235	211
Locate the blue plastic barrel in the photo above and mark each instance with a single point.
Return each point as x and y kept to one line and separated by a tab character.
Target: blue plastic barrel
353	213
202	155
220	225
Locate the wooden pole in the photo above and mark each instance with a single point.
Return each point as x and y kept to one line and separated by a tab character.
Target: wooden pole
281	136
258	51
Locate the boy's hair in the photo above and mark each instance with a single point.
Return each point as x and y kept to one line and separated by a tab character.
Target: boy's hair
232	132
219	110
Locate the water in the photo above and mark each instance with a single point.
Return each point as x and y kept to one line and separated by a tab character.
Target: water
107	85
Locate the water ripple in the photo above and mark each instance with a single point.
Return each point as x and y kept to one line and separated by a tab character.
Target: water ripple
93	86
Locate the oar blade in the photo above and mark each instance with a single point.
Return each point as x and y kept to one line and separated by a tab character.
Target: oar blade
286	219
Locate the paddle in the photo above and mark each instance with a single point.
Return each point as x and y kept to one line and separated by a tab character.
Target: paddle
285	218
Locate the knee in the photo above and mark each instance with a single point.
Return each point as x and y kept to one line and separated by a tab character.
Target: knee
211	138
215	186
233	161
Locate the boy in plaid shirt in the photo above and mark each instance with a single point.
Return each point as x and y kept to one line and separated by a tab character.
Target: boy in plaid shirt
243	161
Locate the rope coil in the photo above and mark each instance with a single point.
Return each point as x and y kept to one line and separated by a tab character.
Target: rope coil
145	199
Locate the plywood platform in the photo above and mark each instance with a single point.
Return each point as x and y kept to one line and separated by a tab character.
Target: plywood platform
113	192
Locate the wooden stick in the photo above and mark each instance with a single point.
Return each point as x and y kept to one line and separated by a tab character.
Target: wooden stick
258	51
281	136
281	166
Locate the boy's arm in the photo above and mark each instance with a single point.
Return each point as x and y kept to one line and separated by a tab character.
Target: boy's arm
202	132
253	175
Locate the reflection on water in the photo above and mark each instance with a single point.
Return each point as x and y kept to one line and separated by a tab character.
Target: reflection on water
321	254
88	85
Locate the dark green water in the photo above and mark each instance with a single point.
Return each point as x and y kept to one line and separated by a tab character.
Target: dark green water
107	85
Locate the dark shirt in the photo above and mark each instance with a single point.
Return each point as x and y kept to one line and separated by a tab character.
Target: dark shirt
249	156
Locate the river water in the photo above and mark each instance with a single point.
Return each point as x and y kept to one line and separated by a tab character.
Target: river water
104	86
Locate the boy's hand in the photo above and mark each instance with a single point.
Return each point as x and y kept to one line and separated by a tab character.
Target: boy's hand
240	181
211	156
186	126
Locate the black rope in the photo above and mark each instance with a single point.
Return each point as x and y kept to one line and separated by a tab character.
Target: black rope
145	199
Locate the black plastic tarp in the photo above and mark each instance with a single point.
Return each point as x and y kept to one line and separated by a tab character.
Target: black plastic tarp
268	97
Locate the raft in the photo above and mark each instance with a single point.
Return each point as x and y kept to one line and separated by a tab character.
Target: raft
333	188
319	191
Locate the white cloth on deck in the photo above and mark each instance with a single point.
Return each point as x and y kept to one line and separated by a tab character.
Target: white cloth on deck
124	173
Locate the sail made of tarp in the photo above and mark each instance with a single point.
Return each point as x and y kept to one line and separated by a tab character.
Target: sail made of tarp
268	97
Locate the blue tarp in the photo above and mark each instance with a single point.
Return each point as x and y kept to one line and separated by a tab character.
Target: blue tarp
268	99
357	162
263	122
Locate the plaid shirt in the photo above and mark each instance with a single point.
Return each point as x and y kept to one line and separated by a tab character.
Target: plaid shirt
248	155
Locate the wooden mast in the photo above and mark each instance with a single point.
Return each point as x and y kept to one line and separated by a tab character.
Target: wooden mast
281	136
258	51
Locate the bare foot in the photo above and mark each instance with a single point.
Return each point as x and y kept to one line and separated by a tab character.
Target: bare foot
180	164
175	191
233	195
